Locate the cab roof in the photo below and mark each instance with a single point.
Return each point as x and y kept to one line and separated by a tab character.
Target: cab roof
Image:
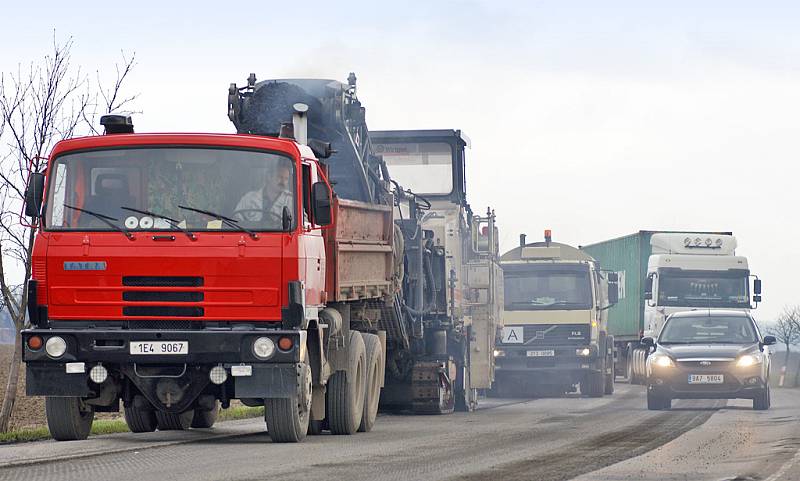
711	313
242	141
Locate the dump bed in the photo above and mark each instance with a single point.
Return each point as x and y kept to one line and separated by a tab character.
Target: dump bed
359	250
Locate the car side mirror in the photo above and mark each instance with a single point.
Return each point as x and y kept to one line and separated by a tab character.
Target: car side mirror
321	211
34	194
769	340
648	341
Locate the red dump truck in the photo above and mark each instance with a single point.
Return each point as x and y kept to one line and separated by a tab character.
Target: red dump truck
173	273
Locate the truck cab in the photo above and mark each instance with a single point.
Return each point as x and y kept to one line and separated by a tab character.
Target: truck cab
555	331
686	272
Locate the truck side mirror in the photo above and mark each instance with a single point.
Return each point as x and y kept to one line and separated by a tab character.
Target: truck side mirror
648	288
757	286
321	203
613	293
34	194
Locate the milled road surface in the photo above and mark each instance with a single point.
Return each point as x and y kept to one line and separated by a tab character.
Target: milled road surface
602	439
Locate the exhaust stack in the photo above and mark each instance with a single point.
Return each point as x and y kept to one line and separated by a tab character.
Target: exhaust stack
300	123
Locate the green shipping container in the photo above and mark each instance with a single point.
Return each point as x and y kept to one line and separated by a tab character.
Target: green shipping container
628	255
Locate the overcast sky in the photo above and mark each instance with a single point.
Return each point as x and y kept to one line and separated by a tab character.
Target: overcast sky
594	119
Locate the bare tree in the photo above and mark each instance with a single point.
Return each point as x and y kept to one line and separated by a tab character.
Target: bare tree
46	102
786	329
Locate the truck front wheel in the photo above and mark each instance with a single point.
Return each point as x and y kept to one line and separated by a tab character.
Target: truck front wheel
593	384
346	390
287	418
68	418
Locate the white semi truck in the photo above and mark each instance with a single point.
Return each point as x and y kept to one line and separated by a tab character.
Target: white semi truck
665	272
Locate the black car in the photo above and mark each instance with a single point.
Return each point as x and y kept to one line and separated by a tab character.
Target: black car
708	354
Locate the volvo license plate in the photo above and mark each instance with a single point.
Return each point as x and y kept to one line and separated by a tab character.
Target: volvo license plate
542	353
706	379
159	348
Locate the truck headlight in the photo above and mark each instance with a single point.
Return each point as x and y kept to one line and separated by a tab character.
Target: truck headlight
263	348
56	346
583	352
661	360
499	353
750	360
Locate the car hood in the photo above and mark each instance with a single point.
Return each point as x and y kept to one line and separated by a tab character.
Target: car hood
686	351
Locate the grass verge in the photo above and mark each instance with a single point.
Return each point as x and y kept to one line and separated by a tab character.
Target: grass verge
111	426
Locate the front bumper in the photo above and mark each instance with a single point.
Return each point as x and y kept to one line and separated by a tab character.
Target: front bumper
183	376
738	383
564	362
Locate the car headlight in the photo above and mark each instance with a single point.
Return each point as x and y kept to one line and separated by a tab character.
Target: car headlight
750	360
499	353
662	361
263	348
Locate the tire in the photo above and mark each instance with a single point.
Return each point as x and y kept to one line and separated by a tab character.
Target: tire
657	403
288	418
762	400
140	420
593	384
205	419
609	384
346	390
174	422
68	418
372	391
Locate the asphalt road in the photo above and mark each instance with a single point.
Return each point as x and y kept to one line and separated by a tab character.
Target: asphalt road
599	439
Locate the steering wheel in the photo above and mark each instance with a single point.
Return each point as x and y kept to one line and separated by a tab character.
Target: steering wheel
271	214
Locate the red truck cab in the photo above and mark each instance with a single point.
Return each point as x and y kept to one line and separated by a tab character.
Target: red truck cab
173	272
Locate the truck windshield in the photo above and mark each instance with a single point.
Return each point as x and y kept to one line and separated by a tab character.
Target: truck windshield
529	288
703	289
708	329
425	168
250	187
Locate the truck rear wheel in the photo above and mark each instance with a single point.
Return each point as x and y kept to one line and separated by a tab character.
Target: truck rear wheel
205	418
174	422
372	394
346	390
68	418
287	418
593	384
140	420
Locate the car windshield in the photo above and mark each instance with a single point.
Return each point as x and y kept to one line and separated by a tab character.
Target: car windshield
178	188
708	329
703	289
547	288
425	168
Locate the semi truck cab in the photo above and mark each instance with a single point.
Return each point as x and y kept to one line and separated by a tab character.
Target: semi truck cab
687	272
